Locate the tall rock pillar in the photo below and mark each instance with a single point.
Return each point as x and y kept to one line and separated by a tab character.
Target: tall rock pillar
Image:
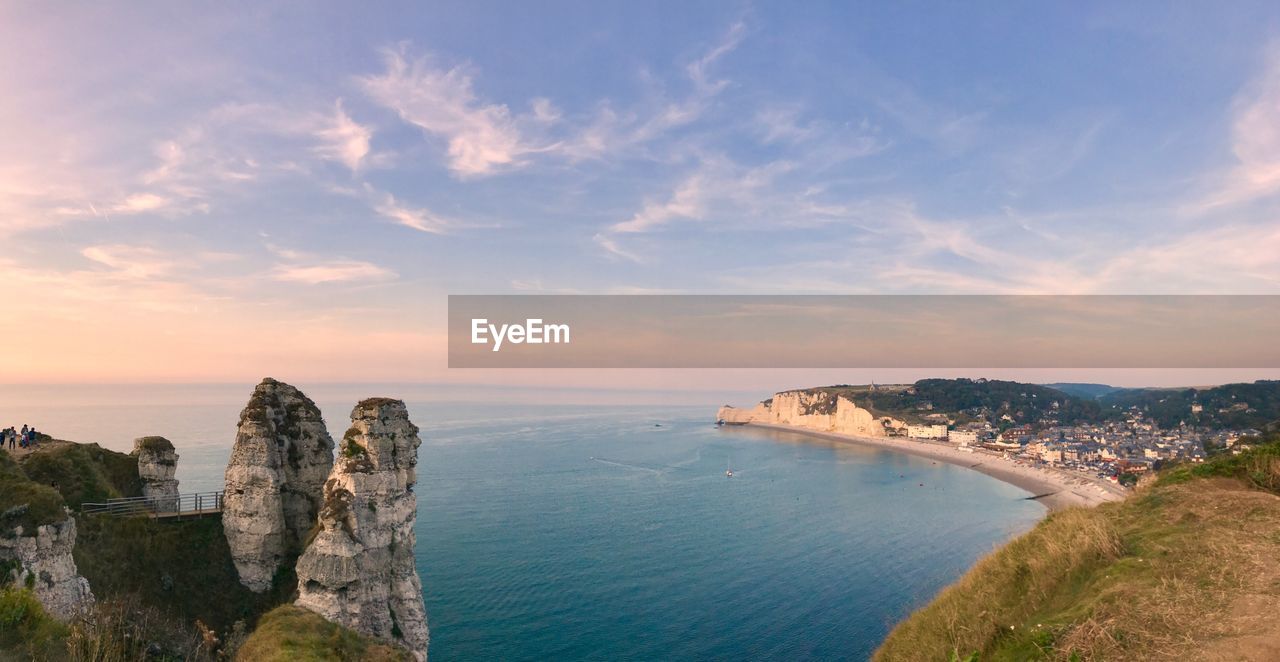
274	480
359	571
157	468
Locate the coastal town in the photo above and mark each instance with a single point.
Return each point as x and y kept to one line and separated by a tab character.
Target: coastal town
1074	434
1119	451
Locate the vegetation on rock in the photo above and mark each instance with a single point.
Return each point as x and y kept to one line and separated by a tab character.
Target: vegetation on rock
153	444
26	630
183	566
288	634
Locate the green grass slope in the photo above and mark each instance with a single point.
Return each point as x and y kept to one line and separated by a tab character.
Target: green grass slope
292	634
1183	570
24	502
83	473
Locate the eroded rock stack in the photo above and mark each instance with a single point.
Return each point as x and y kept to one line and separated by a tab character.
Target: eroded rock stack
157	466
359	571
43	563
274	480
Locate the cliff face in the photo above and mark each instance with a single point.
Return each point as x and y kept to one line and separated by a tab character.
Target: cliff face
157	466
814	410
359	571
274	479
43	562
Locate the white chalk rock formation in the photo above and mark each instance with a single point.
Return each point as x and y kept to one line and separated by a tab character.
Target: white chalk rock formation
274	481
814	409
359	571
43	562
157	466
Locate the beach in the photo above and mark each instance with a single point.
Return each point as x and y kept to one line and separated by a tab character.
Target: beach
1055	489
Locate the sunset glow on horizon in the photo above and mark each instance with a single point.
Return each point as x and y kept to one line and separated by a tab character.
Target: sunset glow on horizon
294	190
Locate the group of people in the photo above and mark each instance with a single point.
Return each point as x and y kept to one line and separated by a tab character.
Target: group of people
11	438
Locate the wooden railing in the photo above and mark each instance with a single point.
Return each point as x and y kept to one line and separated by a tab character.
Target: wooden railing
200	503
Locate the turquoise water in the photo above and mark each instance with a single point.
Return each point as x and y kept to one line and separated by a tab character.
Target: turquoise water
557	532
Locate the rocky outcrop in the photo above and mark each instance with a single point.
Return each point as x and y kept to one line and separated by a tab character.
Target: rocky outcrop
816	409
734	416
359	571
274	480
157	466
43	563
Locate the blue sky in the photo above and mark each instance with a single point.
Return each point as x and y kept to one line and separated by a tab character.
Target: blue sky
213	191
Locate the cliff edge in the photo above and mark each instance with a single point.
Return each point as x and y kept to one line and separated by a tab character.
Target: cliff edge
37	535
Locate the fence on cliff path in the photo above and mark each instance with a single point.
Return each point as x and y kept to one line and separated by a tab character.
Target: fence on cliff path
197	504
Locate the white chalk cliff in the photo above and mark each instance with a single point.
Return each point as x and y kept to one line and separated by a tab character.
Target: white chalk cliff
814	410
44	563
359	570
157	468
274	480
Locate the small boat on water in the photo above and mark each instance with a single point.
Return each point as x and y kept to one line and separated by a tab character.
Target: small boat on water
728	471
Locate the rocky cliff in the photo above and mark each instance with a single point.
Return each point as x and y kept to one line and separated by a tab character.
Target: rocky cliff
274	480
359	570
812	409
43	563
157	466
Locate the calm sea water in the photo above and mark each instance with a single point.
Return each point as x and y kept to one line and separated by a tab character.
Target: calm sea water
610	532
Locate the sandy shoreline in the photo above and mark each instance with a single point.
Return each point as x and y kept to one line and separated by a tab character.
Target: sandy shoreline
1054	489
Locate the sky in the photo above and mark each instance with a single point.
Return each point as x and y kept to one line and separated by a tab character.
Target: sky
218	191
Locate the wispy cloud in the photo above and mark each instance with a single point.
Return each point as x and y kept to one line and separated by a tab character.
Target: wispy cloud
308	269
344	140
128	261
140	202
615	132
699	69
686	202
482	138
417	218
1255	141
335	271
613	250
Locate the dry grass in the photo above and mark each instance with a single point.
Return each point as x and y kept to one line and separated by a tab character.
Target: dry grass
1181	571
1005	588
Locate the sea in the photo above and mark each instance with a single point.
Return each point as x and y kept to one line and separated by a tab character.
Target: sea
556	531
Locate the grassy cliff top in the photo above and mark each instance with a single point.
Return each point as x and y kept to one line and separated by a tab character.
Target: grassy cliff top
83	473
1185	569
288	633
24	502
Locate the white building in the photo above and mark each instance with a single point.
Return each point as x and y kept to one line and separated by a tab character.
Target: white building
927	431
962	437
